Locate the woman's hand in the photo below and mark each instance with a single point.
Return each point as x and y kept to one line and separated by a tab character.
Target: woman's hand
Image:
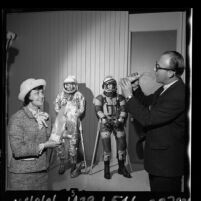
48	144
51	144
41	148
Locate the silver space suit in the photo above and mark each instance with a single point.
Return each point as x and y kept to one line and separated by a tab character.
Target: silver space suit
70	105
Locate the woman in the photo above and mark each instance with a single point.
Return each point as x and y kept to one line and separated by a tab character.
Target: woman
28	130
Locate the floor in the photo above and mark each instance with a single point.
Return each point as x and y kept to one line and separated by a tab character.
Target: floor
93	180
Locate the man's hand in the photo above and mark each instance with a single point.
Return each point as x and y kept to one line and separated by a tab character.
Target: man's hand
134	79
126	87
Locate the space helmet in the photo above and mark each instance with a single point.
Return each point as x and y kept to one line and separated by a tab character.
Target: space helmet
109	86
70	84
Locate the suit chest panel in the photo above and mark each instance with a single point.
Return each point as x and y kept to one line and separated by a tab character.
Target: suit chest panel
71	101
110	106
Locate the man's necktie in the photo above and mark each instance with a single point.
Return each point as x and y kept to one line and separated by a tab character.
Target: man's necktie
160	90
156	95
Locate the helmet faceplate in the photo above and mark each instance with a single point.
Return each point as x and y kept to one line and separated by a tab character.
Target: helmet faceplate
109	85
70	84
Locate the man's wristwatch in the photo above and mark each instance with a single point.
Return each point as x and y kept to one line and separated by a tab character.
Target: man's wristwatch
129	97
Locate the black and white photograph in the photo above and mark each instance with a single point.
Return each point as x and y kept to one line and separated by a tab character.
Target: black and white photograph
97	104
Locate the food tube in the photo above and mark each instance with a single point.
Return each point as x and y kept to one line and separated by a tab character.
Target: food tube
134	77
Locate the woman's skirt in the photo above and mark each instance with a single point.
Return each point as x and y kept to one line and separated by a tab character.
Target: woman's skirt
28	181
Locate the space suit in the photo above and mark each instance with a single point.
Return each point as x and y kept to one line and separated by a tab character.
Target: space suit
110	109
69	105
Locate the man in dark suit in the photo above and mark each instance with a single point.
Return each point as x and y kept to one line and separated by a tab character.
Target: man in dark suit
163	114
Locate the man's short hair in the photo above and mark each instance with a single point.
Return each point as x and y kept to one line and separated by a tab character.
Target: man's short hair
176	62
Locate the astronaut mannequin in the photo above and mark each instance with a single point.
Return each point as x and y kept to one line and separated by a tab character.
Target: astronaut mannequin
110	109
70	105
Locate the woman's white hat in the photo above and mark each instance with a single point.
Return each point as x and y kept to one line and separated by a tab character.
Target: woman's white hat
28	85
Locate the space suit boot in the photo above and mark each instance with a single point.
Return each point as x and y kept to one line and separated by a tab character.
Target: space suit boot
107	170
75	171
122	169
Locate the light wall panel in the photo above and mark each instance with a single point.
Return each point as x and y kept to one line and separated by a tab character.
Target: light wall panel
53	45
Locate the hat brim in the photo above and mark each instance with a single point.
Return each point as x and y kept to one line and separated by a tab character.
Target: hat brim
34	84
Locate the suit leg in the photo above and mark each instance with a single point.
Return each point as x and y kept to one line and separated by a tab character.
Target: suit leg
106	142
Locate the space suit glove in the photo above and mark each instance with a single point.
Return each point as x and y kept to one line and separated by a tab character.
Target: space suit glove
104	120
107	123
119	124
120	119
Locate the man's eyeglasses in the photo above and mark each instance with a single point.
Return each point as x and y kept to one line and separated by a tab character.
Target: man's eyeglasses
158	67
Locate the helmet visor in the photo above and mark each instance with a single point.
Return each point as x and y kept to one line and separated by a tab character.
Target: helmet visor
111	86
70	87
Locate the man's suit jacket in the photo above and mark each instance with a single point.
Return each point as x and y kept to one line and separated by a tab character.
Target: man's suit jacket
164	117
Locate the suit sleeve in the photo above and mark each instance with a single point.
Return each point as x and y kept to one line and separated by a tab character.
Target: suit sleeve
98	102
145	100
81	104
163	112
58	103
122	107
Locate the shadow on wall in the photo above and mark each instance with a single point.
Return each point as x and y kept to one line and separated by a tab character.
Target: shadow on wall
11	55
136	142
89	123
148	83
